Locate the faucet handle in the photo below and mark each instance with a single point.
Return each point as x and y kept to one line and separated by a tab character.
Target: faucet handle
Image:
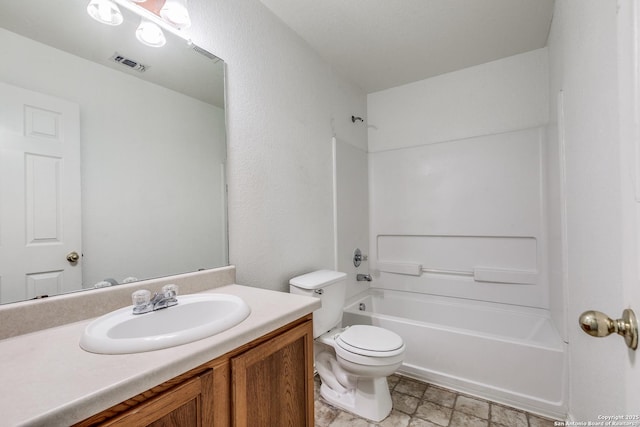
170	291
140	298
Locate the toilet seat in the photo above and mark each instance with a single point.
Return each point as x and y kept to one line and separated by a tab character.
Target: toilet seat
366	340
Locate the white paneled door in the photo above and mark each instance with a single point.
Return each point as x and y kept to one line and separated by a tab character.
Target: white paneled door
40	223
628	40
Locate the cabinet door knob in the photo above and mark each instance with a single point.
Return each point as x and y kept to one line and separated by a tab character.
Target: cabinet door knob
598	324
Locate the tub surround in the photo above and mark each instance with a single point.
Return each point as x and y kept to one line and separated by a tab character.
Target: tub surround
457	179
61	384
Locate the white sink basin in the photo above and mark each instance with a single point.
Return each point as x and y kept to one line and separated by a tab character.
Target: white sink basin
195	317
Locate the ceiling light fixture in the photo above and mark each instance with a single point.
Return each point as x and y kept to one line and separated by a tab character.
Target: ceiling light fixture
175	12
150	33
105	11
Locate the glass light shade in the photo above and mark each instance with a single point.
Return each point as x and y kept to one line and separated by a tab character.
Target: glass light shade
150	34
175	12
105	11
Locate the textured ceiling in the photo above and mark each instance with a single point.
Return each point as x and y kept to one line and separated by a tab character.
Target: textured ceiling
379	44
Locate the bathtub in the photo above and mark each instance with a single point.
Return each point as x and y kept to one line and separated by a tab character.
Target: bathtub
504	353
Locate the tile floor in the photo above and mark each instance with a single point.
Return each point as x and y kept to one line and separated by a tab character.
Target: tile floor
417	404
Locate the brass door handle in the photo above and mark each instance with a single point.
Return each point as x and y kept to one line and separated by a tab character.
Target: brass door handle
73	257
598	324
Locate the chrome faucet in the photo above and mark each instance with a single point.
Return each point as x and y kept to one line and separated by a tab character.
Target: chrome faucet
363	277
143	303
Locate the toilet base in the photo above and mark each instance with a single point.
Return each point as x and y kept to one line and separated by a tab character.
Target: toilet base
370	399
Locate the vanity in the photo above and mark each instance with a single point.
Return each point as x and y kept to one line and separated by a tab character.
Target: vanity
264	382
259	372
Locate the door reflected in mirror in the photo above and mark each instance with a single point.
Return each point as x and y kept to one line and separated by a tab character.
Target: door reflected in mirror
122	166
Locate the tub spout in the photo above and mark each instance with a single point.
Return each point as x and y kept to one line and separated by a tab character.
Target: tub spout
363	278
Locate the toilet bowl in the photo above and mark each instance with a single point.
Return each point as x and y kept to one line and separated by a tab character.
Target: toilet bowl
354	374
353	362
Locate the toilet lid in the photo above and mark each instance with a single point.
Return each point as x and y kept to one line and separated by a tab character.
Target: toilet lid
370	341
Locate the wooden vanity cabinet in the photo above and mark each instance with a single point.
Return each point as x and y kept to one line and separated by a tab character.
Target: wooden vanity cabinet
267	382
184	405
272	384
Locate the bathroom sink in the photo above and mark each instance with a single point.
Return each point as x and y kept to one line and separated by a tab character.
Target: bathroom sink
193	318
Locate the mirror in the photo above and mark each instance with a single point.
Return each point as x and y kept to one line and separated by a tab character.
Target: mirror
146	196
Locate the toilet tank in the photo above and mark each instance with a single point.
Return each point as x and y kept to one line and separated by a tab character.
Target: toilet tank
330	287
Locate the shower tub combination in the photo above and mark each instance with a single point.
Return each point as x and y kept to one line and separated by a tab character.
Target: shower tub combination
508	354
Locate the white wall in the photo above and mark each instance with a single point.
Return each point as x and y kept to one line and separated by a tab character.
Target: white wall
284	105
352	212
127	144
584	56
457	174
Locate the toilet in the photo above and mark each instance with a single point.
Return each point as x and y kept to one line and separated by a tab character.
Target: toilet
353	362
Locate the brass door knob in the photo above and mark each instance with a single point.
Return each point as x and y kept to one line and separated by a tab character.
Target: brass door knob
73	257
598	324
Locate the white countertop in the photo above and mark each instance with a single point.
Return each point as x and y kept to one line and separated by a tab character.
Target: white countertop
46	379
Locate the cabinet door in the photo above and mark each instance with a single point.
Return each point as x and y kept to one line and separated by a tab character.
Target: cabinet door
188	404
273	382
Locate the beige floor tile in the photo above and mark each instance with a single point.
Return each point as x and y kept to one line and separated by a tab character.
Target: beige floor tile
395	419
508	417
440	396
419	422
393	380
345	419
476	407
404	403
411	387
460	419
324	413
435	413
535	421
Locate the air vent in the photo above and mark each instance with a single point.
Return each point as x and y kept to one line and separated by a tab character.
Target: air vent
203	52
130	63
